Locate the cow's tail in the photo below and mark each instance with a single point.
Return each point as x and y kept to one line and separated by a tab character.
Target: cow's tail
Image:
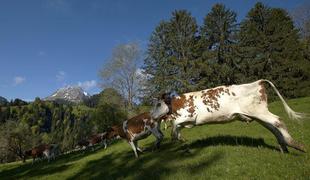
292	114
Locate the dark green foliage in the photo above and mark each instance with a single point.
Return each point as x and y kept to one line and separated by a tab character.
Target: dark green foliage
15	138
109	111
52	122
16	102
265	45
217	40
269	48
171	54
3	101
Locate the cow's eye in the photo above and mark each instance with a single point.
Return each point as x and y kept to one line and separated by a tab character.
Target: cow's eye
158	105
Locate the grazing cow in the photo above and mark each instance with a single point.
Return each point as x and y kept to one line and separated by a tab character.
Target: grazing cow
35	153
223	104
43	150
135	129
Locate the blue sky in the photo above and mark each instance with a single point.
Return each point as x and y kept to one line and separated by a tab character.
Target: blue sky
48	44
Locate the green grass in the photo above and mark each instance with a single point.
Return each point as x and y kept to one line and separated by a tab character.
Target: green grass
227	151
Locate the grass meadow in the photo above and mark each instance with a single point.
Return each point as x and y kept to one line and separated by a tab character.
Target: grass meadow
226	151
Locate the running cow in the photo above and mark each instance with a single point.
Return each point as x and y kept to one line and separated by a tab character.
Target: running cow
223	104
135	129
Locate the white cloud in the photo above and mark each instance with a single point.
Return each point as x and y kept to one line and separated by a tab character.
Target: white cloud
18	80
60	76
87	85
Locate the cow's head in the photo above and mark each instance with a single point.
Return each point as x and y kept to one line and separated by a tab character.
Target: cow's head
112	132
162	106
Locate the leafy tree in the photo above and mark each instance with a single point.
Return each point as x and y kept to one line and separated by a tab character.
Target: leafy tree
109	111
112	97
120	72
14	138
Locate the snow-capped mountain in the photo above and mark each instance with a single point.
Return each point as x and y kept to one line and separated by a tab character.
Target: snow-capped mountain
73	94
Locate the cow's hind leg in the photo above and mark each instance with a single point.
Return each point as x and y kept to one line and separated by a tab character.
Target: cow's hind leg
276	126
277	134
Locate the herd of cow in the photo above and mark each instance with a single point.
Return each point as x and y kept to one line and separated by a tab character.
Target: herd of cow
245	102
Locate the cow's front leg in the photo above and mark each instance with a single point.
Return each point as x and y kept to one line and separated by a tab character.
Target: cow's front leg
105	143
159	136
137	147
176	135
134	148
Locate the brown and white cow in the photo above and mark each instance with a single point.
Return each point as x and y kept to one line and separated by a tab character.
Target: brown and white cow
93	140
39	152
135	129
224	104
36	152
98	138
82	144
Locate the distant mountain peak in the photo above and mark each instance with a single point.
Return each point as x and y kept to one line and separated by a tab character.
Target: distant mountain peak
3	100
73	94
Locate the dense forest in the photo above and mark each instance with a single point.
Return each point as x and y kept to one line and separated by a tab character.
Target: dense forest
181	56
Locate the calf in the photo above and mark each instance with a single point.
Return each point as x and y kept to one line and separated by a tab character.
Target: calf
135	129
223	104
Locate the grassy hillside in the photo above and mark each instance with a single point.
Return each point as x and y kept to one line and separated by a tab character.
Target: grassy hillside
230	151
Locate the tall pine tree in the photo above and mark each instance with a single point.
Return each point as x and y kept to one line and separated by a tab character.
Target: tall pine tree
217	42
170	61
270	49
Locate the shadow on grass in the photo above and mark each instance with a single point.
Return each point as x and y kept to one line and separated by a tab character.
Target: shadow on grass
171	157
41	168
230	141
30	171
150	165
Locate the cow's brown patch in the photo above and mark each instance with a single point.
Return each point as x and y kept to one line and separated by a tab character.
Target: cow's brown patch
262	91
183	102
137	123
227	91
280	124
38	151
233	93
191	106
210	97
117	130
178	103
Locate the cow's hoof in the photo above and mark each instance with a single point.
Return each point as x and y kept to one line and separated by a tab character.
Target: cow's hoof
182	140
140	150
297	146
283	149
